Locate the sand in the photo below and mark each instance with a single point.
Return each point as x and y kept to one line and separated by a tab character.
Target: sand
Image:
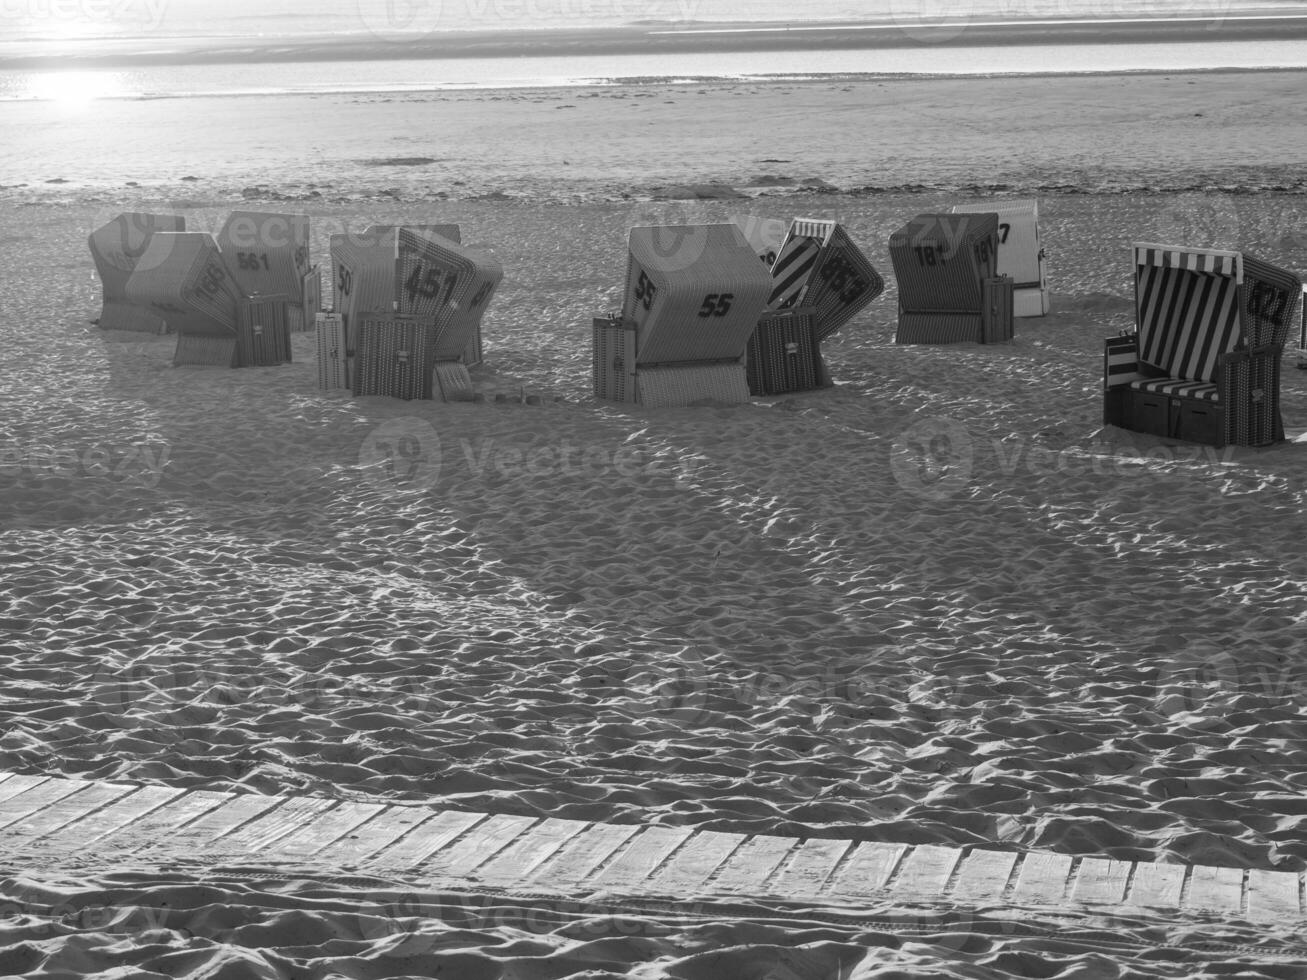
939	602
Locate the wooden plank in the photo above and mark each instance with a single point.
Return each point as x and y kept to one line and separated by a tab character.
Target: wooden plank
1100	881
263	832
1042	878
214	823
984	876
517	862
867	869
641	857
376	835
926	871
16	784
1273	894
749	868
808	867
311	839
579	857
1214	889
160	824
460	858
37	798
116	816
4	776
53	818
1156	886
693	864
423	841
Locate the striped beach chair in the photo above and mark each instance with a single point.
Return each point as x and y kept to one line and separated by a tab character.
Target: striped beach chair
818	268
692	299
268	254
182	277
1203	363
116	248
1020	252
949	290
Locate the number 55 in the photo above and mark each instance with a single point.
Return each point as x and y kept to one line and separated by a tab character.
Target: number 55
715	305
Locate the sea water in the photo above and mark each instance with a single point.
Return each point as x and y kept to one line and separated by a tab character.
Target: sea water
44	43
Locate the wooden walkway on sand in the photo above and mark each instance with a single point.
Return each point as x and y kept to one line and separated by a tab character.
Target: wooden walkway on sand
49	824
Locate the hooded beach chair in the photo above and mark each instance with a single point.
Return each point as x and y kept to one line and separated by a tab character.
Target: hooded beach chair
268	255
693	296
398	275
1020	252
820	281
116	248
949	292
183	278
1203	363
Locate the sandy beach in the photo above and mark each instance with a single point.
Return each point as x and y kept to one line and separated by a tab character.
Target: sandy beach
937	603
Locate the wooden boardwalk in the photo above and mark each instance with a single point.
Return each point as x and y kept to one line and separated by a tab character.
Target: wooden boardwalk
49	824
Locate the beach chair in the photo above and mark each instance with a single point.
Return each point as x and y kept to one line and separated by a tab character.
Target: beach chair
1203	362
949	292
818	268
475	352
692	299
1020	252
764	235
116	248
411	272
183	278
268	254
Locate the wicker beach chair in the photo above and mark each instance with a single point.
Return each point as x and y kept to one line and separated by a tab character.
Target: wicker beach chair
475	352
1203	363
412	274
116	248
693	297
182	278
817	268
1020	252
948	290
268	254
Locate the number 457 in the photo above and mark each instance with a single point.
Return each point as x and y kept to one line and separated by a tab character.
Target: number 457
716	305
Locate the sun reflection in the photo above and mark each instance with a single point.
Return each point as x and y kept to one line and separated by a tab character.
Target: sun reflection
75	89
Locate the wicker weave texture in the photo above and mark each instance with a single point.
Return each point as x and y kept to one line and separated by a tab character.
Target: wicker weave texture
996	325
675	387
393	356
263	331
828	273
122	315
333	364
938	328
614	359
364	277
267	253
116	248
205	350
694	292
782	353
448	282
181	277
940	260
1020	249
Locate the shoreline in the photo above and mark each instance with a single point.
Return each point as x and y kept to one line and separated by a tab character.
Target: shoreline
672	82
1147	132
706	39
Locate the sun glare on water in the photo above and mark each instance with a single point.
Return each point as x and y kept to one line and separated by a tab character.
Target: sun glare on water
74	89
